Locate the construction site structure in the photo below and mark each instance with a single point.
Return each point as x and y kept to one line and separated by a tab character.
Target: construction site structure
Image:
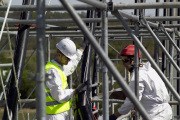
100	69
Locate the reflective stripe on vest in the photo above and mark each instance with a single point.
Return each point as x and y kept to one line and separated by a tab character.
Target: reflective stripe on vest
53	106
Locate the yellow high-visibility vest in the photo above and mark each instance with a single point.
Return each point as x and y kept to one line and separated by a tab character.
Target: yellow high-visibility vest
53	106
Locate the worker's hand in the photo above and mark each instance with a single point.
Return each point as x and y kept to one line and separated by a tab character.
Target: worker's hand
82	87
85	43
133	113
112	117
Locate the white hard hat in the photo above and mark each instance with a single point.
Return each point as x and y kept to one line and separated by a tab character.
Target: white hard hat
67	47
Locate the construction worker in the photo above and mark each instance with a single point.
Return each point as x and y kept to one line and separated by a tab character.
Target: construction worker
153	94
58	95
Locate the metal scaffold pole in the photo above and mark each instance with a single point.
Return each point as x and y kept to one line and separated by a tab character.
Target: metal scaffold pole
178	63
108	27
105	59
105	79
18	66
40	75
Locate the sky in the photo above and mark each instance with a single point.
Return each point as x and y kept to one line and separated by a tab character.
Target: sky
149	12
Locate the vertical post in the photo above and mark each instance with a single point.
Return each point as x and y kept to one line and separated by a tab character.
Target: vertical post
171	73
105	70
111	89
178	63
136	57
48	48
97	77
98	64
156	46
19	58
172	45
70	86
136	69
164	42
156	49
40	76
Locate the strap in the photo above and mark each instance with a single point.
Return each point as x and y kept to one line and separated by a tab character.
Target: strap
52	103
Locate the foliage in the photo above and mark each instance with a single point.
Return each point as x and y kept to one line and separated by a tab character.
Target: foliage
22	114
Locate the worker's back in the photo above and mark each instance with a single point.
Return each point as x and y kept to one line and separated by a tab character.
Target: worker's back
155	95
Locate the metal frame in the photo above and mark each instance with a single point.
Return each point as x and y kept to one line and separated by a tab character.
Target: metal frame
155	30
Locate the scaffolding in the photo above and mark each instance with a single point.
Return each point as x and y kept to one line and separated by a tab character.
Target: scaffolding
137	27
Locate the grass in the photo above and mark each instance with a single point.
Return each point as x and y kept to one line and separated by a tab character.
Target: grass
21	113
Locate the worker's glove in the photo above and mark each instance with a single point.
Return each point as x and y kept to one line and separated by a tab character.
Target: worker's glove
133	113
82	87
112	117
85	43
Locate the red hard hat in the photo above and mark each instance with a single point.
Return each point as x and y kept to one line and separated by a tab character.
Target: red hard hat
129	50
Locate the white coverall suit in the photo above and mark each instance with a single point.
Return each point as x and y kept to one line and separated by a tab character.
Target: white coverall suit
153	94
55	85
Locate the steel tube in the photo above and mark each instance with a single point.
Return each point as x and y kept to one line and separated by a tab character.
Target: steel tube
162	47
47	7
96	32
171	40
136	68
6	81
156	49
97	4
147	5
105	70
6	65
49	21
40	75
100	4
105	59
48	48
117	27
110	100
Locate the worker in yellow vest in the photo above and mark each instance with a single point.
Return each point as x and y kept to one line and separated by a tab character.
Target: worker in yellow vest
58	94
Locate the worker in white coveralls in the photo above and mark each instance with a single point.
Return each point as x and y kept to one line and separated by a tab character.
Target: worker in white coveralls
58	95
153	94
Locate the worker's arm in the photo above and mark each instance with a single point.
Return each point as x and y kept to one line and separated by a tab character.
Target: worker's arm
128	105
114	116
72	65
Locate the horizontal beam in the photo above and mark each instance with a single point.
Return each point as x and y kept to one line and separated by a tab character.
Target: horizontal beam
89	20
147	5
96	32
6	65
89	7
96	27
47	8
110	100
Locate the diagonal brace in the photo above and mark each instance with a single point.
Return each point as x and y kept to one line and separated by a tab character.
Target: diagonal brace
105	59
144	22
